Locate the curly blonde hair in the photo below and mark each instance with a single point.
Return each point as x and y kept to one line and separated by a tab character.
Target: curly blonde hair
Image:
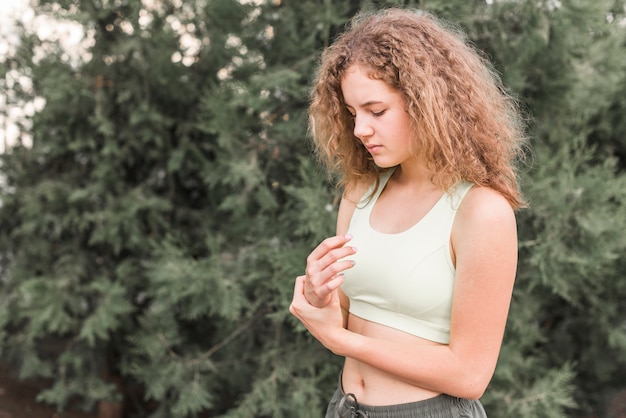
466	126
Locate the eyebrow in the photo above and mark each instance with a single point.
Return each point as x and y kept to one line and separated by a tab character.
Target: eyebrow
366	104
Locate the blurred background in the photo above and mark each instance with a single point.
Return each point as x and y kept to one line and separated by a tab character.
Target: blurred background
158	196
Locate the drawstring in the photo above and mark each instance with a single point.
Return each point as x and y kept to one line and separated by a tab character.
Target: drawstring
353	410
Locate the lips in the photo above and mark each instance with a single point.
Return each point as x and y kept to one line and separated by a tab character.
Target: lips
373	147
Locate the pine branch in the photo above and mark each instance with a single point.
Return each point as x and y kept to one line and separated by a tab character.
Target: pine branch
232	336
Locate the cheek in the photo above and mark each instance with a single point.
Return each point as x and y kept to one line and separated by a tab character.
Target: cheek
402	128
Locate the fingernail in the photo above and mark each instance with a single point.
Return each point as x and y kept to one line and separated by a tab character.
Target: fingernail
354	249
348	237
353	263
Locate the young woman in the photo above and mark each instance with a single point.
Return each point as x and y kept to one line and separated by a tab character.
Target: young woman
414	289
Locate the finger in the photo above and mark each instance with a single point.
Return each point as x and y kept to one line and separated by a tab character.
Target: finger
320	296
316	279
327	245
298	295
334	269
335	283
337	254
298	287
327	265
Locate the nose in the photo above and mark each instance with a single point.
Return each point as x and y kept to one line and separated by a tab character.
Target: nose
362	129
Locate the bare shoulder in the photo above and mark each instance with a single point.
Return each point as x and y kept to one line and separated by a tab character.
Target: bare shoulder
483	205
484	221
484	252
349	200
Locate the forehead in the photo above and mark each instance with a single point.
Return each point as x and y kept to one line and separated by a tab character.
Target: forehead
359	88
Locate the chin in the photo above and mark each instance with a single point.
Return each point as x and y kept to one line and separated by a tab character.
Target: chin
385	164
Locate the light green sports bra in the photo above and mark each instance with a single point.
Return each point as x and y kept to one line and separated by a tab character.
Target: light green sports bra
405	280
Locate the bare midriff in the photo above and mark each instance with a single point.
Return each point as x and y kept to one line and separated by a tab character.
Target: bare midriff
373	386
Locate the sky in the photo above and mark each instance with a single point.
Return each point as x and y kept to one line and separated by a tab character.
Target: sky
7	6
73	40
10	11
11	108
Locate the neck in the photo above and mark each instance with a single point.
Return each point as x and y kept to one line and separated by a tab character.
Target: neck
413	173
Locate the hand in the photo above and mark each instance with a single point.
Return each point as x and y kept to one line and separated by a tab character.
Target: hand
323	323
323	270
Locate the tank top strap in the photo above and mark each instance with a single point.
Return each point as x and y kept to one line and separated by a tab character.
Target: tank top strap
369	199
458	193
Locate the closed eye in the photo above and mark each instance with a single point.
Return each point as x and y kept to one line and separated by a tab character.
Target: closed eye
375	114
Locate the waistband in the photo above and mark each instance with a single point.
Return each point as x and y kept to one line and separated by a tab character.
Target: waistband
346	405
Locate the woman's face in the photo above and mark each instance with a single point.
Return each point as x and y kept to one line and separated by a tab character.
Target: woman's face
381	121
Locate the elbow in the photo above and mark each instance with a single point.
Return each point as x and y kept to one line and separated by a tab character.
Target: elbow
474	393
472	386
470	392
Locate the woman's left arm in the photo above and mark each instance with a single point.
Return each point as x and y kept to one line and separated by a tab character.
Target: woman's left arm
484	247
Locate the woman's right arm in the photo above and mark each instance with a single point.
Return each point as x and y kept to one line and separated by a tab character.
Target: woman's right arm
346	208
327	262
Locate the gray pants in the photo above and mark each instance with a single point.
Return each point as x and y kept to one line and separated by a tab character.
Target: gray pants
344	405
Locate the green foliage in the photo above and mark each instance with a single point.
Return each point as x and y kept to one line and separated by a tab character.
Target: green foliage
549	394
150	237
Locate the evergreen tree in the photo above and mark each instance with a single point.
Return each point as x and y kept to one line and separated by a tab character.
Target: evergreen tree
151	234
150	237
566	333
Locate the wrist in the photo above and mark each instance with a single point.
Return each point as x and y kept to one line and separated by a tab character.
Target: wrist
316	302
338	341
